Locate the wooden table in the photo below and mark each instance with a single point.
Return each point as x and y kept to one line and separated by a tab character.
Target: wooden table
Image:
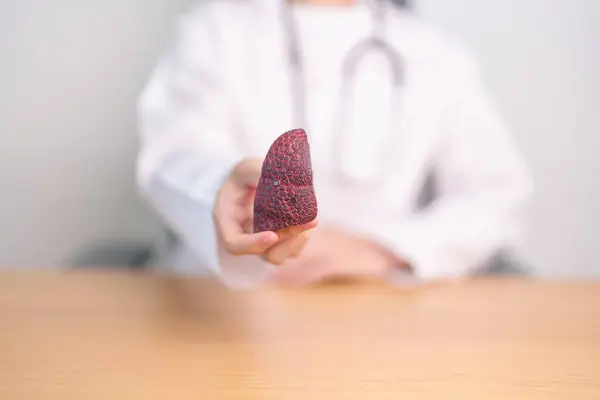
93	335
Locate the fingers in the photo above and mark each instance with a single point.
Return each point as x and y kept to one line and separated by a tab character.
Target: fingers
232	216
299	245
293	231
289	248
234	237
245	244
292	241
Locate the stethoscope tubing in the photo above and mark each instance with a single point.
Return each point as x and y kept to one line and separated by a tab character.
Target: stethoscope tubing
375	42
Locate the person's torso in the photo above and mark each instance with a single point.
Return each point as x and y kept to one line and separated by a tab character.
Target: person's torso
398	157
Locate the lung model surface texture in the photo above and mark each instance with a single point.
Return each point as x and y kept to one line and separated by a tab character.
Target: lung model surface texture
285	195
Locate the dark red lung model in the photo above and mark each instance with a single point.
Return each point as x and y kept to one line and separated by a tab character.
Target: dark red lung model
285	195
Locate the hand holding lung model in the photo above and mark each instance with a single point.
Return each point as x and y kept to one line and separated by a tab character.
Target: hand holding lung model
285	195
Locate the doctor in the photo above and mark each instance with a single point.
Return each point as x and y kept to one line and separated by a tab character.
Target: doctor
387	101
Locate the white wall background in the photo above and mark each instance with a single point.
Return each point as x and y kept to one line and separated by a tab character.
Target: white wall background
70	71
542	61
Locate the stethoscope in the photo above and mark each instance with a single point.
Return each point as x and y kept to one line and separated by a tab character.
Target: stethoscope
345	166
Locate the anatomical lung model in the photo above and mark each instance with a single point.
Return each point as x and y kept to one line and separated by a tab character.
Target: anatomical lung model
285	195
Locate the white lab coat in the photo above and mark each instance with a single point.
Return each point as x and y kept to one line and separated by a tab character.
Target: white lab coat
222	93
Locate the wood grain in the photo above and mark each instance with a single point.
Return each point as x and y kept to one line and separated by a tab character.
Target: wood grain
95	335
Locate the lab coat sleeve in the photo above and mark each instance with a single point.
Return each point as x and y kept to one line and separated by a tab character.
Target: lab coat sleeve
186	122
483	187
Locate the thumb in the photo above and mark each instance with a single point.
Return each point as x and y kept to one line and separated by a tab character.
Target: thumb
247	172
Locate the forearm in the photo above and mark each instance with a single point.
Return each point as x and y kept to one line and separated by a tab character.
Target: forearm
455	236
183	193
